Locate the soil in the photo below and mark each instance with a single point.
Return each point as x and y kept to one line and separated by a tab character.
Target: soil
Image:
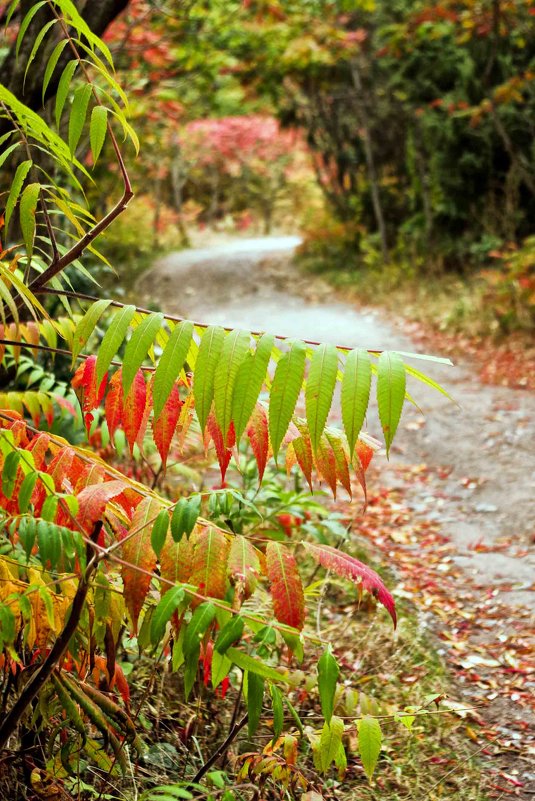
478	456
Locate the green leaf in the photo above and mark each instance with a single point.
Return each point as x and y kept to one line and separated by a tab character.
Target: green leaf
249	381
97	130
26	491
16	185
159	531
78	114
24	25
170	364
229	634
233	352
27	209
278	711
163	613
255	698
184	517
355	394
328	672
113	339
37	44
64	86
426	380
196	628
195	631
86	326
246	662
221	665
320	389
391	381
285	390
370	738
330	742
51	65
138	346
27	533
9	473
7	152
203	379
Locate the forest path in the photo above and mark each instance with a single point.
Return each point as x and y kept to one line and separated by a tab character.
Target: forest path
468	469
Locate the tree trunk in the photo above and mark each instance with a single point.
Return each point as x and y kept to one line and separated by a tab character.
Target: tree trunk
362	119
98	16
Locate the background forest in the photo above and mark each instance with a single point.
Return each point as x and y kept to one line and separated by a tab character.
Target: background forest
180	617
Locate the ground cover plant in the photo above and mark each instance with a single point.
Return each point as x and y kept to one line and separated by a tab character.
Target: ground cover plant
106	564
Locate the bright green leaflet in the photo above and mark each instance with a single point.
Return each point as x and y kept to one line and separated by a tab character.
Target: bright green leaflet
37	44
113	339
16	185
320	389
328	672
138	346
391	381
170	364
278	711
255	698
159	531
64	86
330	742
233	352
203	378
249	382
86	326
27	209
168	605
246	662
51	65
285	389
78	114
355	396
97	130
370	738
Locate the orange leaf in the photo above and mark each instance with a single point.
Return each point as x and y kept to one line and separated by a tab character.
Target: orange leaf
93	499
209	563
138	553
257	431
243	565
286	586
84	384
326	463
114	403
303	453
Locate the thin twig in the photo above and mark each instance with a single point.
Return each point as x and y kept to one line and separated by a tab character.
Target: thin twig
221	750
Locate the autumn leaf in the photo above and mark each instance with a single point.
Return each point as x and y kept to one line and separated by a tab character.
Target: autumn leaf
286	586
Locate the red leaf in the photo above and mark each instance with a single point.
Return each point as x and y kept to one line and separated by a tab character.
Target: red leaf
350	568
286	586
363	457
165	426
257	431
134	408
223	453
137	551
93	499
114	403
84	380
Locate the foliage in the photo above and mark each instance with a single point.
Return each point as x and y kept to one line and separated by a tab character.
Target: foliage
90	557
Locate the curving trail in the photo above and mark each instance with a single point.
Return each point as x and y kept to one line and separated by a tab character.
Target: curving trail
476	463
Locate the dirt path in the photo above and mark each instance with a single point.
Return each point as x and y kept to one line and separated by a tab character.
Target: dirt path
473	466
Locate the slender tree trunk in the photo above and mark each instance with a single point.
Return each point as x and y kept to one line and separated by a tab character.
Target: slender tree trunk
362	119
